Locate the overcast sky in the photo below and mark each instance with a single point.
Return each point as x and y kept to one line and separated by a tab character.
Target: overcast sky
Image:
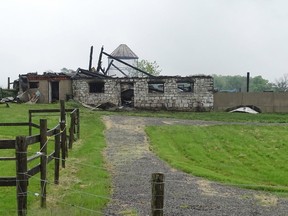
185	37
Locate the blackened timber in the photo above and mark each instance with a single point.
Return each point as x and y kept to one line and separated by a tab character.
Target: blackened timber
100	60
125	63
98	75
108	67
120	70
90	59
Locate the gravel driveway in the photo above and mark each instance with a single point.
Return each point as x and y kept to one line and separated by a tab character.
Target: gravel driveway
131	165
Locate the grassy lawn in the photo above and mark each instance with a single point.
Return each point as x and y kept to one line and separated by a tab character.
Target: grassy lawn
215	116
84	184
248	156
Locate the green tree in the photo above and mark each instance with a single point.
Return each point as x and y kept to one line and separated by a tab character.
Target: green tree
149	67
239	83
229	83
258	84
281	84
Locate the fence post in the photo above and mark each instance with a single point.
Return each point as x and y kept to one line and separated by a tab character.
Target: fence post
43	160
63	142
63	119
30	123
71	129
21	175
62	110
57	156
157	202
78	123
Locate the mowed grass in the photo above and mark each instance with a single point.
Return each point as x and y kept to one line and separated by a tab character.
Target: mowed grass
215	116
84	186
243	155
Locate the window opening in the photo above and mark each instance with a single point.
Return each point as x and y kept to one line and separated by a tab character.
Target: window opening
96	87
33	85
185	86
156	87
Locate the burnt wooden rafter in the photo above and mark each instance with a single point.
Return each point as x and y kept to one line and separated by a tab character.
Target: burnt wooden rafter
108	67
100	61
125	63
120	70
90	60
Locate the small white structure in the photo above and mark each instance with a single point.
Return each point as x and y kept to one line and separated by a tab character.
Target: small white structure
245	109
118	69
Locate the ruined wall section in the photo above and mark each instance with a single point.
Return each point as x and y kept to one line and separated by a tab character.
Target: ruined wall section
165	93
199	99
111	92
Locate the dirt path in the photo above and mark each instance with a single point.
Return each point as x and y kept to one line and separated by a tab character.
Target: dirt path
131	164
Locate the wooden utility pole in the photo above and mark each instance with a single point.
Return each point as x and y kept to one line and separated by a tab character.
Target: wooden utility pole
248	81
8	82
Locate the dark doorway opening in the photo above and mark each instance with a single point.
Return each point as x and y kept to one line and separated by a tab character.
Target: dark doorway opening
127	94
54	91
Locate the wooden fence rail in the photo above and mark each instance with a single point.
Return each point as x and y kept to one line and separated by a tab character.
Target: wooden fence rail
21	143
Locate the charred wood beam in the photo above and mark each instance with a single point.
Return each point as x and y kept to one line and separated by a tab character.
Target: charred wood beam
125	63
100	60
120	70
108	67
93	74
90	59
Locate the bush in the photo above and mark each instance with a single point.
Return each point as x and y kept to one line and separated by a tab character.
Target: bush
8	93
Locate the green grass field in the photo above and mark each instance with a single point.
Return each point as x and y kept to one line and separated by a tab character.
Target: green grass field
215	116
248	156
84	184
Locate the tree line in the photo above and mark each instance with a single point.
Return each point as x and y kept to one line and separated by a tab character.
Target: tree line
256	84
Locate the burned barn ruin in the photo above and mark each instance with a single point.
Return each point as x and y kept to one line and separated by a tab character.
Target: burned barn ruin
128	87
169	93
145	91
43	88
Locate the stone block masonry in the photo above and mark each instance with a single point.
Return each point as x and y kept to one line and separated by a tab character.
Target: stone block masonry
194	93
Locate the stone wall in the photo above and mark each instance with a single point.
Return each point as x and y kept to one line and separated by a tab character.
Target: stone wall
200	98
111	92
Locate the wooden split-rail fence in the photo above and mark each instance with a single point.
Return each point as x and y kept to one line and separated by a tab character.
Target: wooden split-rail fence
62	142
